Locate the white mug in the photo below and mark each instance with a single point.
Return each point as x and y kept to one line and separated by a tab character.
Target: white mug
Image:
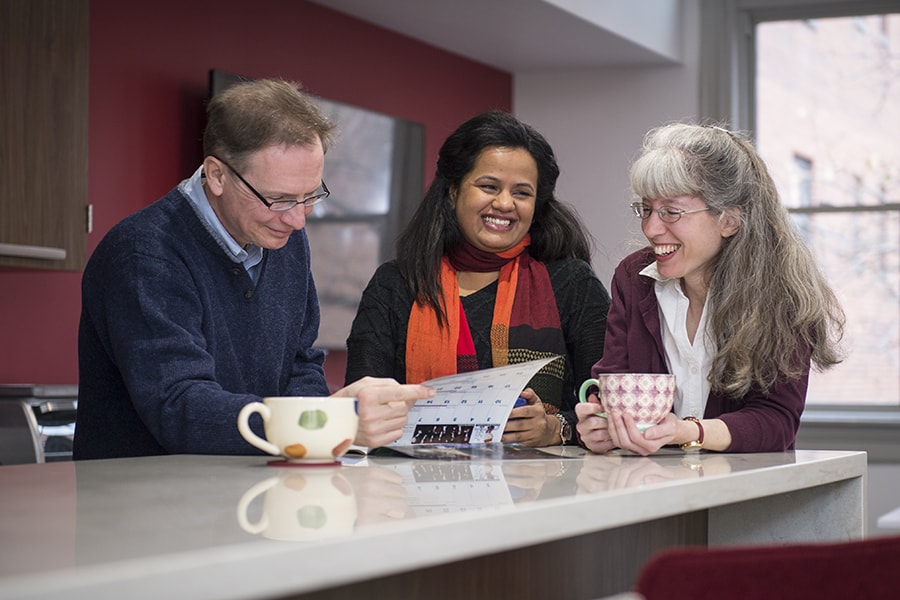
303	428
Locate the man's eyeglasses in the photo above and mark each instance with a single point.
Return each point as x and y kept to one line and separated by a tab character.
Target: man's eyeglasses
282	205
666	215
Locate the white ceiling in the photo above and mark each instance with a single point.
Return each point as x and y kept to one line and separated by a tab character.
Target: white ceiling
528	35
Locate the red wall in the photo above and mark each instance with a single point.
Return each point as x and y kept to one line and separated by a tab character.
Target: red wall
148	81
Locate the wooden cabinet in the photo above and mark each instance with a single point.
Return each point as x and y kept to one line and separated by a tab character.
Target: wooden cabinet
43	132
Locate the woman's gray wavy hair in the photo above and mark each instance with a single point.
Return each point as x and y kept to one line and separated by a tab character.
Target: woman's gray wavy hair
770	306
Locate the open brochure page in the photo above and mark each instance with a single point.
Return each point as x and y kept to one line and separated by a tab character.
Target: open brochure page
466	416
468	408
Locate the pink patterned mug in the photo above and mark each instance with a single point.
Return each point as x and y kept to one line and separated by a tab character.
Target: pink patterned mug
647	397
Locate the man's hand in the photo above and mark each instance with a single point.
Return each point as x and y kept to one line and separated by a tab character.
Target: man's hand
383	407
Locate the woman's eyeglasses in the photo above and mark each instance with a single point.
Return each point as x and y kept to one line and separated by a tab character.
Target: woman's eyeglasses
666	214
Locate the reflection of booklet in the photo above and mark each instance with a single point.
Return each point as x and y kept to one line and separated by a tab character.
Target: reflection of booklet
456	488
491	451
468	409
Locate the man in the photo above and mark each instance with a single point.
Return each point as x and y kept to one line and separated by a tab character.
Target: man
204	301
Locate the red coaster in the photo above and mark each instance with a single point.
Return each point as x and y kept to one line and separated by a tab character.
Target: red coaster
289	463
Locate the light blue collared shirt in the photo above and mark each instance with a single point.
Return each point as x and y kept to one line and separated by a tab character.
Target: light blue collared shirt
250	257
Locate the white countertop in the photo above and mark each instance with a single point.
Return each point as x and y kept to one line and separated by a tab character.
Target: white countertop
233	527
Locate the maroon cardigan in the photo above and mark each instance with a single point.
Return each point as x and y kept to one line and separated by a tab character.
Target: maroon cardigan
758	422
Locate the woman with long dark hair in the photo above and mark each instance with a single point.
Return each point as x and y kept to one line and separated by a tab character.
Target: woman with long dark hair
492	269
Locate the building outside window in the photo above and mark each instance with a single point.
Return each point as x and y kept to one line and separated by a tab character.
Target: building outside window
827	122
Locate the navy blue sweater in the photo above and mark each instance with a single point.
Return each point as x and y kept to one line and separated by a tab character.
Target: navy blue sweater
175	337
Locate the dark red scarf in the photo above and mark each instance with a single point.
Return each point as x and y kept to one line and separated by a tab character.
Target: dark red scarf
525	325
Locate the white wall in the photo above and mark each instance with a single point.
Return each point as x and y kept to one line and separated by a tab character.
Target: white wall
595	120
883	496
647	22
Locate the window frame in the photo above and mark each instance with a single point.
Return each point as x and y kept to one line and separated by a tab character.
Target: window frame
728	94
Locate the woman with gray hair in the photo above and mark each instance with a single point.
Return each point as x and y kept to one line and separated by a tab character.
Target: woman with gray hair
726	297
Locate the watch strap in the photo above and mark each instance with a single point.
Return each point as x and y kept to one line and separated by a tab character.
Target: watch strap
698	443
565	429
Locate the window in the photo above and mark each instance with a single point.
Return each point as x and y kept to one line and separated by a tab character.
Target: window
817	84
803	196
829	96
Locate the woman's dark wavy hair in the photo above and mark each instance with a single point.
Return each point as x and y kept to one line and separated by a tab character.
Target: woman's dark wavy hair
556	231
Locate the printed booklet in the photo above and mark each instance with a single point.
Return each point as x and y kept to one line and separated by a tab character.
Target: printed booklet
466	417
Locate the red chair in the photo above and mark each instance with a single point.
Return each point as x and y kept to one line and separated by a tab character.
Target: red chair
867	569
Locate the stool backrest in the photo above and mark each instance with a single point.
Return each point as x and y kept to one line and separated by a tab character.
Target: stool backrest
858	569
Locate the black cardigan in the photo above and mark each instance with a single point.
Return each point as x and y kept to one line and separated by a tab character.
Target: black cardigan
377	342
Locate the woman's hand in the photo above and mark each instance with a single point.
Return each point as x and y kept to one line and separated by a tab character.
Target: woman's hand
593	430
530	425
383	407
625	434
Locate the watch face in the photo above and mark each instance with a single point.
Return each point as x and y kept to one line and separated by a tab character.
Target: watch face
692	446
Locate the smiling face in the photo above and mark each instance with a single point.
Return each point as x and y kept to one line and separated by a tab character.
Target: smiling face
495	201
278	173
687	248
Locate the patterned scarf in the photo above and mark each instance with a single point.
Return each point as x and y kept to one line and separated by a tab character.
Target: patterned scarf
525	324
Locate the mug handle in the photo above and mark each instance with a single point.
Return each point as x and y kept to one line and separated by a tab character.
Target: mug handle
247	433
248	497
583	393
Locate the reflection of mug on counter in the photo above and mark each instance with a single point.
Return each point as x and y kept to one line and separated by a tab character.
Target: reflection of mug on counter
301	506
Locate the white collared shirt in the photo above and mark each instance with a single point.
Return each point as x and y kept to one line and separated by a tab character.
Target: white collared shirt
689	362
250	257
